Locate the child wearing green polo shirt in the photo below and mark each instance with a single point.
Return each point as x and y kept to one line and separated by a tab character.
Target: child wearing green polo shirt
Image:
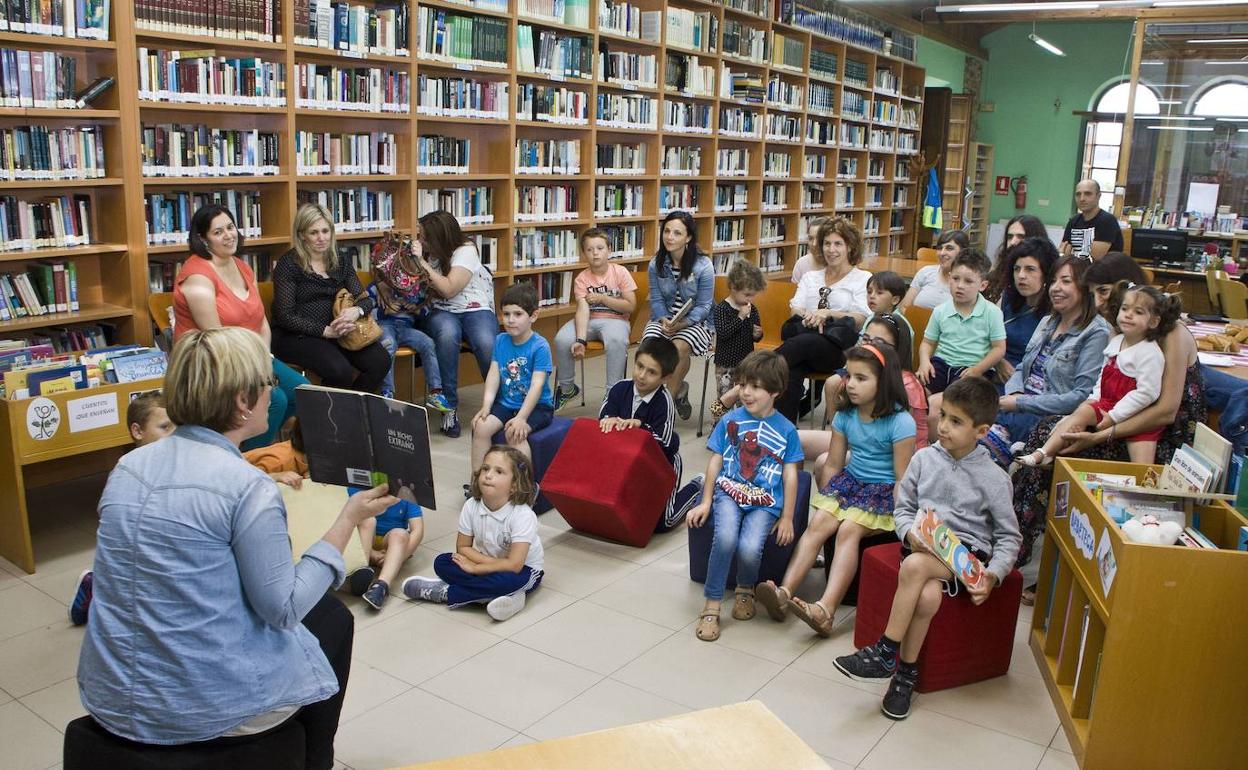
967	331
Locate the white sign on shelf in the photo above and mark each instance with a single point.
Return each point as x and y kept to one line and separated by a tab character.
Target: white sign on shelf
98	411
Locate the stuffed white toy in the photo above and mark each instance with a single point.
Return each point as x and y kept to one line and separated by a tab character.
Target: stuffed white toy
1147	529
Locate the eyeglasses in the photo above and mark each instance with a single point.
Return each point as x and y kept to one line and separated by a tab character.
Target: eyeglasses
877	341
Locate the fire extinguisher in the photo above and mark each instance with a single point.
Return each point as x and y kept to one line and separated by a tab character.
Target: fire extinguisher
1019	185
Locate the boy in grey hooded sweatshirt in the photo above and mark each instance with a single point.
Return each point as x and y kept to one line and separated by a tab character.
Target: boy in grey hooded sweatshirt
957	478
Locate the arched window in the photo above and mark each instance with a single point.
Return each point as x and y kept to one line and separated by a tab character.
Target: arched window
1114	99
1226	99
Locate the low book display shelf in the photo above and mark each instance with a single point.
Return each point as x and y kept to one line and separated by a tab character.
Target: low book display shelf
1141	645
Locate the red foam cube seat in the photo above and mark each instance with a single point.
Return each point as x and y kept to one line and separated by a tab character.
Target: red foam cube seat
965	643
613	486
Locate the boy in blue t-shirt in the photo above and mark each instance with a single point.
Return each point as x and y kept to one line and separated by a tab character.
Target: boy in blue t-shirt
516	399
751	481
388	540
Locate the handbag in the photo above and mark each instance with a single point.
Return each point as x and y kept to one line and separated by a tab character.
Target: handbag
402	286
840	332
366	330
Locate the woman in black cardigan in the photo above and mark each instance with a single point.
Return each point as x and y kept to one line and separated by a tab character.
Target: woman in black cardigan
305	332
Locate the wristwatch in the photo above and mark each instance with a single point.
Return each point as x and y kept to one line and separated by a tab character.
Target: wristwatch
582	341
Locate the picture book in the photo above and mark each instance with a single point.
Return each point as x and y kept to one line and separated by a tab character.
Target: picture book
1217	450
1200	538
77	374
682	311
362	440
948	548
1187	472
16	358
1243	539
146	364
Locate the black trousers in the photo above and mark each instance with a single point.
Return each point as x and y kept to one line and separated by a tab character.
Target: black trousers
362	370
806	354
333	625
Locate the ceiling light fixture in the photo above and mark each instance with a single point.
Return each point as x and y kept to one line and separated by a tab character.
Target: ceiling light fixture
1215	40
1179	128
1190	3
1168	117
1046	45
1025	7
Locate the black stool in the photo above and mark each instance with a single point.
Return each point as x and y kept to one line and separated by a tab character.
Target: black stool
90	747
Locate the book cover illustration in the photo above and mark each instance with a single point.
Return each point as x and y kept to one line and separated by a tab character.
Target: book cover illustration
948	548
362	440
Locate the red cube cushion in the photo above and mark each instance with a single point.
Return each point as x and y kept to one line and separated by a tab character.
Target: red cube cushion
614	486
964	644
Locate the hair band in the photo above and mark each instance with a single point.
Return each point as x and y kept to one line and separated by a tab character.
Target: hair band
877	353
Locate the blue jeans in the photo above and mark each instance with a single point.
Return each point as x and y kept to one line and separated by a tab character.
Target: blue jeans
1228	394
739	533
479	327
399	330
469	589
281	404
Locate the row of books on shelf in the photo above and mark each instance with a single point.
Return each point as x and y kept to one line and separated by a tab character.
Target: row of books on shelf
470	205
571	12
534	248
352	29
457	97
547	203
352	89
684	74
204	77
31	370
57	222
552	104
259	20
829	19
628	68
442	154
354	209
620	159
625	20
693	30
43	152
686	118
197	150
552	288
43	288
618	200
626	111
168	213
161	275
317	152
450	36
40	79
551	156
87	19
552	53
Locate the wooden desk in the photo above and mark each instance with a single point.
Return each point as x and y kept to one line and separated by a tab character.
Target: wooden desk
1195	288
744	735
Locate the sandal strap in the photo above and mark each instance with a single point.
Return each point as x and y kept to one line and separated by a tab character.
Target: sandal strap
712	615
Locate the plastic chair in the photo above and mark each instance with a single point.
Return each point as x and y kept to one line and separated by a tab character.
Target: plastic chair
159	305
927	254
1211	285
1234	298
918	318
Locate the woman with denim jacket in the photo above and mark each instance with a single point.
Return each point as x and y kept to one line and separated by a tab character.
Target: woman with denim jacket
203	628
680	274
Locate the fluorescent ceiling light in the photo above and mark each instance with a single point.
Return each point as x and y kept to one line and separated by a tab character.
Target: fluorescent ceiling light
1232	120
1189	3
1169	101
1180	128
1046	45
1005	7
1168	117
1220	40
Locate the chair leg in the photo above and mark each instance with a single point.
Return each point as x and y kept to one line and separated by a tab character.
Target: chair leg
706	370
811	383
582	381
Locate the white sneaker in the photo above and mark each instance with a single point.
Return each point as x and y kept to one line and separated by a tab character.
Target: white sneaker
504	607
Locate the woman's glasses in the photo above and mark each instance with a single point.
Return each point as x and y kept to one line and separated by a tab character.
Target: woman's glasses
867	339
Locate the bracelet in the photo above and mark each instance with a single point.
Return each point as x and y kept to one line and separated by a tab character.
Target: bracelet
582	341
1113	431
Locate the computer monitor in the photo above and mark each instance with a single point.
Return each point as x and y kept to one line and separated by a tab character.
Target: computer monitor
1159	245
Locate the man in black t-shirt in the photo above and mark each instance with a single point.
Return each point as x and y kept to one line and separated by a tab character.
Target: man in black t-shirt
1091	233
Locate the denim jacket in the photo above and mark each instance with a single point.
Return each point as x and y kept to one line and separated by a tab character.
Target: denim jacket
196	617
1070	372
666	290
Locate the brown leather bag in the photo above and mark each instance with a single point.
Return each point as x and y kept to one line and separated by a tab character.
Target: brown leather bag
366	330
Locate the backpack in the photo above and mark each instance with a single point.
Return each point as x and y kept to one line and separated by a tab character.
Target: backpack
402	286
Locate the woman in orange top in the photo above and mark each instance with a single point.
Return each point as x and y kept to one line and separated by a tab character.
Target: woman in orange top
215	288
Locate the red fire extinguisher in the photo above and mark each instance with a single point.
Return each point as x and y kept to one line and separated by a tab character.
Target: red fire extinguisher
1019	185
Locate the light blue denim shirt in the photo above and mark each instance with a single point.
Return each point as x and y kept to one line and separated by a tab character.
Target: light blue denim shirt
666	290
1070	372
195	621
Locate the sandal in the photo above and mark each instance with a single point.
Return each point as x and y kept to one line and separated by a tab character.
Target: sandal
803	610
1037	459
1029	596
773	600
743	607
708	626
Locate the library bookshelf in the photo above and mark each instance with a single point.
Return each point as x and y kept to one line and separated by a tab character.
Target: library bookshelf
1143	673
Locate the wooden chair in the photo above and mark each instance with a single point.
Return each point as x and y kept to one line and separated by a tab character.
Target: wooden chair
1150	277
1211	285
159	305
918	318
928	255
1234	298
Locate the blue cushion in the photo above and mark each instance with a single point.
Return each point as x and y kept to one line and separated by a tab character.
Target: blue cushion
544	444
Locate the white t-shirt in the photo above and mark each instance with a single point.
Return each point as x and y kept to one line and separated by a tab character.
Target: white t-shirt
478	293
933	292
801	267
848	295
493	532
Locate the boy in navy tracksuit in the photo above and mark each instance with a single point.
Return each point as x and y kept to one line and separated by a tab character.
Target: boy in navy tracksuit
643	402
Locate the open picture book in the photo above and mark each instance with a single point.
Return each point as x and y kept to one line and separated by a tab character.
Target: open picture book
362	440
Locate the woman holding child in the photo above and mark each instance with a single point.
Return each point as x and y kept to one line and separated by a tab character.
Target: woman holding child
1177	411
215	288
306	281
681	277
829	306
203	627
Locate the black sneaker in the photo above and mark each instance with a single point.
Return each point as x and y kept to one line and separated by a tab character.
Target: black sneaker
896	703
359	581
866	665
562	397
376	594
450	425
683	407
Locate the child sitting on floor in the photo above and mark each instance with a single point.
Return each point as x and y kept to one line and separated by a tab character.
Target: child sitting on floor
498	553
644	402
1130	377
958	479
751	486
285	461
148	423
855	499
388	540
737	328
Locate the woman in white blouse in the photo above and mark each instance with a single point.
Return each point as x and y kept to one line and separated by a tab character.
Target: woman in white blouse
930	286
823	297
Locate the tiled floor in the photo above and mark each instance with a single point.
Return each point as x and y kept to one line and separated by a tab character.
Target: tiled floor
606	641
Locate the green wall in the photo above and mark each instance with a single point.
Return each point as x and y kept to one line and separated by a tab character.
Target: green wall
1030	135
942	63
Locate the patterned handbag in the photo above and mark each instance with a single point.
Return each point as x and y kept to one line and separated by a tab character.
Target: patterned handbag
402	285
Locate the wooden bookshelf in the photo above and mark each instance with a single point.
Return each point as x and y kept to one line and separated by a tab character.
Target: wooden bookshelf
1158	648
